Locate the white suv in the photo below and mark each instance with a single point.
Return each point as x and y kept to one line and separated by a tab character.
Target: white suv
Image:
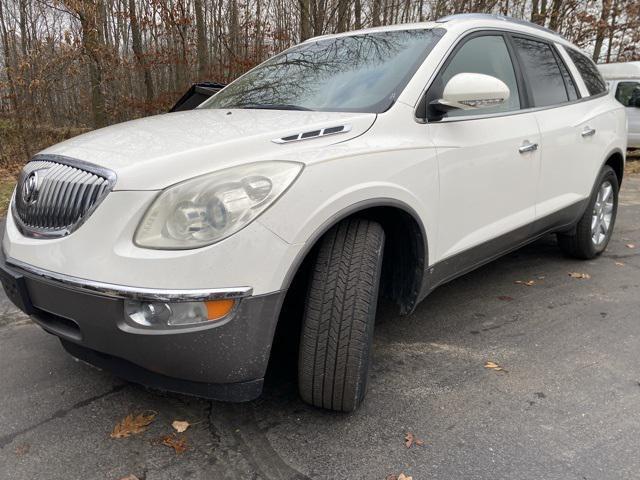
386	161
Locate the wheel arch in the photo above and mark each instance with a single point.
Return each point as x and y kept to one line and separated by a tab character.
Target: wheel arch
615	159
406	237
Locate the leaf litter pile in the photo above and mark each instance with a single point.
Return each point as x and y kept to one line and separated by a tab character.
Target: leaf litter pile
136	424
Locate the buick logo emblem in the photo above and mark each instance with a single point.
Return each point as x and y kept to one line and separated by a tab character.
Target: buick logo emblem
30	188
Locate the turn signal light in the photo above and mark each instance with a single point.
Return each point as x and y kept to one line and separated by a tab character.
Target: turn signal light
217	309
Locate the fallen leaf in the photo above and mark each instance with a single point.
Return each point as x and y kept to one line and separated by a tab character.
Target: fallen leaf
505	298
493	366
180	425
410	439
584	276
631	245
527	283
133	424
402	476
130	477
22	449
620	264
177	442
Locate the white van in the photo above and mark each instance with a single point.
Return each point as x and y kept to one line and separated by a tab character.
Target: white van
624	85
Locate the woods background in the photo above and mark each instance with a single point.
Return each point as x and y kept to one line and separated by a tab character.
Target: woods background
71	65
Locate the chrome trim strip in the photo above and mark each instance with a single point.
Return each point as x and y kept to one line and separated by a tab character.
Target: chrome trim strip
345	128
131	293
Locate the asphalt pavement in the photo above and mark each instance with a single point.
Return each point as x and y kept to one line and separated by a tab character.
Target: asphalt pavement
565	406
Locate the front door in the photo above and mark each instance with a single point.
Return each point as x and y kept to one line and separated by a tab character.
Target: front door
488	160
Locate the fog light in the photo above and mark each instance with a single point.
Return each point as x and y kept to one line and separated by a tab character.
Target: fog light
163	314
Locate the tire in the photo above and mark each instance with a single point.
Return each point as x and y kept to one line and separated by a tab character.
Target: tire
582	242
340	310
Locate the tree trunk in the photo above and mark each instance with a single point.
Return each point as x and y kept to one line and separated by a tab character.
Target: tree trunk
136	45
554	22
358	14
614	17
92	48
375	13
343	18
202	47
305	19
13	94
601	29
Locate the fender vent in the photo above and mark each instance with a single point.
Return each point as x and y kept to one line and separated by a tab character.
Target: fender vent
313	134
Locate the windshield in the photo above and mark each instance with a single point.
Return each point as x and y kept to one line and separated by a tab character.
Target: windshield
359	73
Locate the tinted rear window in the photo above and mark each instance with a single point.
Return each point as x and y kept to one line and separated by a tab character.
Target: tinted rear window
542	72
592	78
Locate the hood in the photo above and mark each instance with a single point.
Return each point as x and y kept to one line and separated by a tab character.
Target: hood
154	152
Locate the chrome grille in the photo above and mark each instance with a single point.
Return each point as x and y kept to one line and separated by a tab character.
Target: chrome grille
56	194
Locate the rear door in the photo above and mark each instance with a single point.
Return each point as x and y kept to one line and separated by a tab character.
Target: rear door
573	136
487	179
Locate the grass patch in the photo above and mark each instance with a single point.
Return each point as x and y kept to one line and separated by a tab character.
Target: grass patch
7	185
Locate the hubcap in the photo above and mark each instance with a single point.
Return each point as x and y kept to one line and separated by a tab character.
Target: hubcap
602	214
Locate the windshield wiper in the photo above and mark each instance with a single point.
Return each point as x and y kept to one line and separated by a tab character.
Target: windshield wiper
275	106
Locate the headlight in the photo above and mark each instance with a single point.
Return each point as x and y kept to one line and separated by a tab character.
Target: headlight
206	209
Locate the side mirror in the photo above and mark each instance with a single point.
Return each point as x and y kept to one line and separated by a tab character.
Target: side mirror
468	91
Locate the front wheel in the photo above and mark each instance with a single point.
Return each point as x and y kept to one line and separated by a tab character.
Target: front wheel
594	229
340	310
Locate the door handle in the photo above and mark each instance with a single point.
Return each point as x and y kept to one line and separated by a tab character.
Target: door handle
527	146
588	132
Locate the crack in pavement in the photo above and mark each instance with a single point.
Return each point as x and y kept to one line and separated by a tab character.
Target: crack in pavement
7	439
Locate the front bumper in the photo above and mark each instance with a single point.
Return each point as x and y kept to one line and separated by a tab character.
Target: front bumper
226	361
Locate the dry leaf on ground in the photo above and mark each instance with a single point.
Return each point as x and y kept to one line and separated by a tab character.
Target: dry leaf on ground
620	264
130	477
180	425
493	366
402	476
410	439
177	442
527	283
133	424
22	449
631	245
579	275
505	298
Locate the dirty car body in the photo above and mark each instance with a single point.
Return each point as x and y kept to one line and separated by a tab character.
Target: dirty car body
163	248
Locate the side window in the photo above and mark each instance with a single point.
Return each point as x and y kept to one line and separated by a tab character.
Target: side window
488	55
542	72
628	94
589	72
572	90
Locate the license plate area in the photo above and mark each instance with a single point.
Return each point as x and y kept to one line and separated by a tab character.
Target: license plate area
15	286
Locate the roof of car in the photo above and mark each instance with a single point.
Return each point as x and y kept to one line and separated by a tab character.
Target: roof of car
465	21
619	71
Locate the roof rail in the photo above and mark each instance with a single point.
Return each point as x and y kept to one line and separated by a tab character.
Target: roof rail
504	18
